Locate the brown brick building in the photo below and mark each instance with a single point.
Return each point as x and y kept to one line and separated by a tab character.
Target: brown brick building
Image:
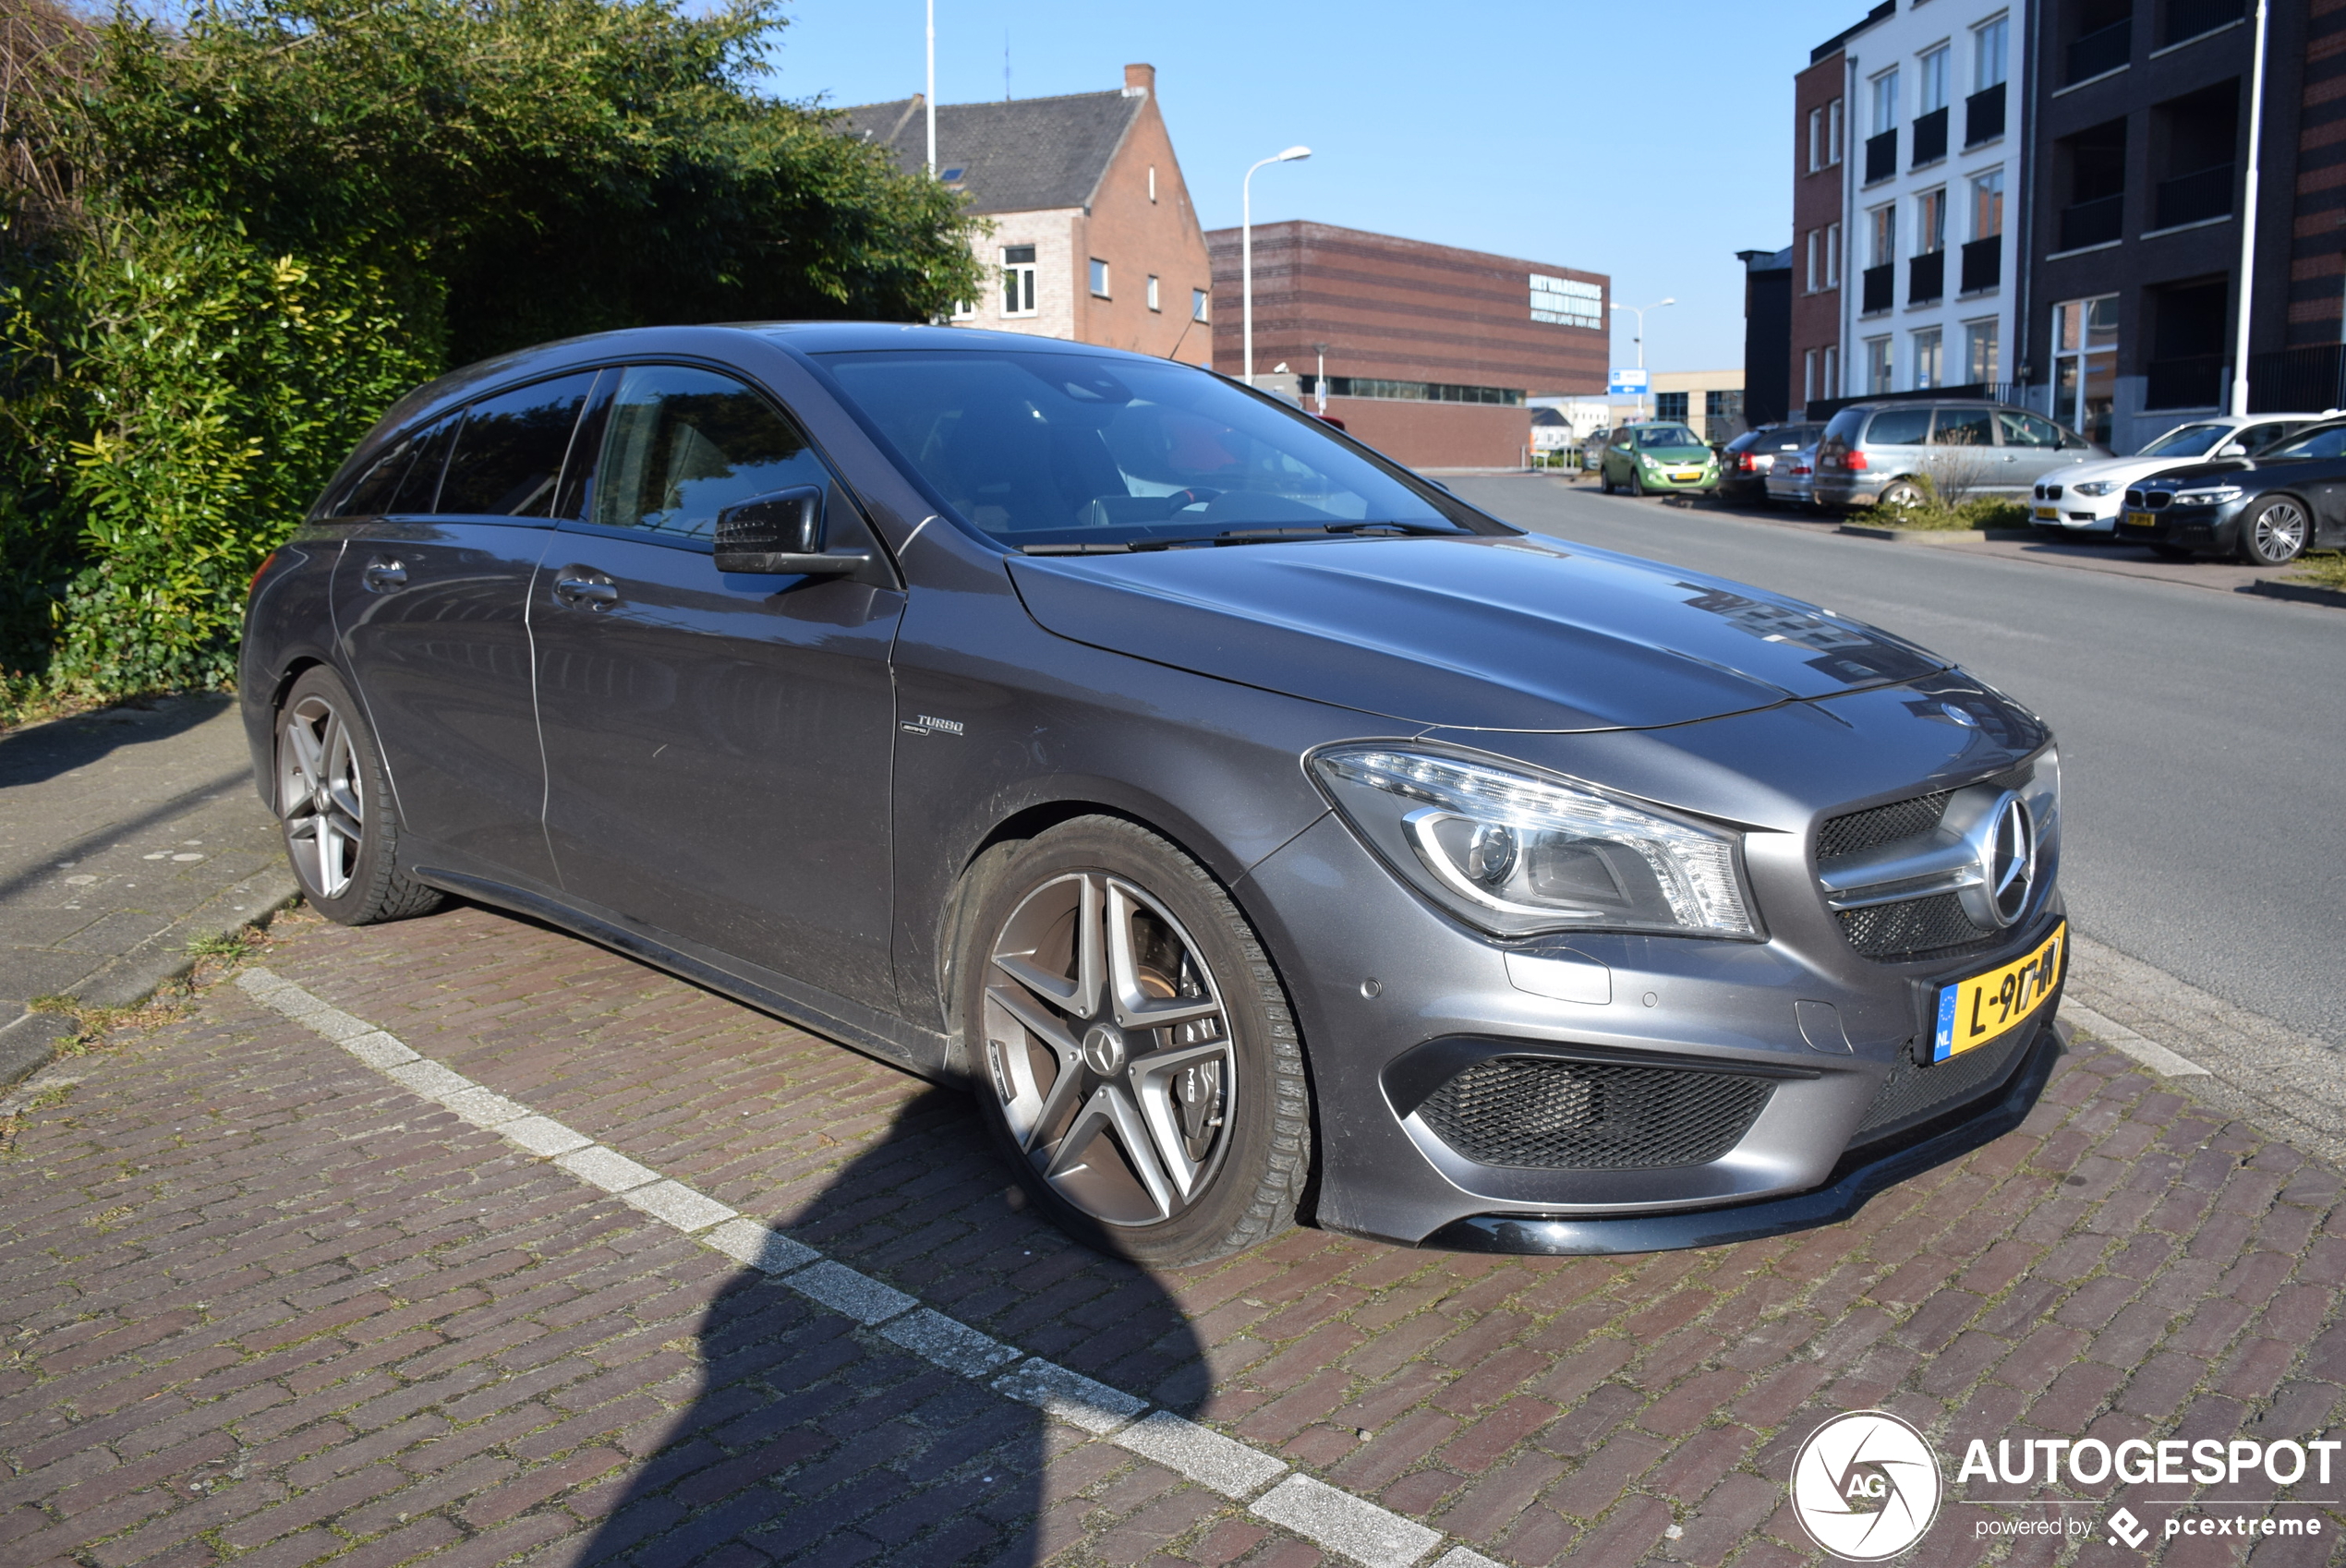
1820	133
1431	351
1095	239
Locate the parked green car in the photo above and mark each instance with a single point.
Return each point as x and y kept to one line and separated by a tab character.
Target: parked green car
1661	455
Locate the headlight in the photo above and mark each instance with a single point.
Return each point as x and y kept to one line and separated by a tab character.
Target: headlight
2216	497
2093	488
1517	854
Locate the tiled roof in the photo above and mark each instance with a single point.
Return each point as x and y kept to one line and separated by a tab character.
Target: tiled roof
1014	157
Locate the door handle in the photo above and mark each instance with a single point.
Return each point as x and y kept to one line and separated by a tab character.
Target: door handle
382	574
588	591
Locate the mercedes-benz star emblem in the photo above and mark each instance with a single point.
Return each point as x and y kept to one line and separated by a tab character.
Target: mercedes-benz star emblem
2011	860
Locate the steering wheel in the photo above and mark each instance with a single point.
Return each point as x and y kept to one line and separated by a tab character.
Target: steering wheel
1196	495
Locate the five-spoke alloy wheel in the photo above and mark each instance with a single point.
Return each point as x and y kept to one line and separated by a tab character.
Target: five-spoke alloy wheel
1132	1046
332	804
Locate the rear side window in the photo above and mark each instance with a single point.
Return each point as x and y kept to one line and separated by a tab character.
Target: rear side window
1963	426
1900	427
681	445
1844	426
509	453
371	496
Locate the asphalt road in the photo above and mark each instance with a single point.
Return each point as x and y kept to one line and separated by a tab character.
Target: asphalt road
2203	735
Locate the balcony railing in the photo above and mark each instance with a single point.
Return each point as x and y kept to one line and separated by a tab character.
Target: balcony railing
1931	137
1882	155
2193	382
1879	283
2190	198
2105	49
1983	115
2188	18
1983	263
2093	223
1926	277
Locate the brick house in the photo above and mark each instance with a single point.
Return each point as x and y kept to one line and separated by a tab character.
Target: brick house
1093	237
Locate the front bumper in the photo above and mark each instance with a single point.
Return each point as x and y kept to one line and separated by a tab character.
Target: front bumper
2186	527
2089	514
1659	480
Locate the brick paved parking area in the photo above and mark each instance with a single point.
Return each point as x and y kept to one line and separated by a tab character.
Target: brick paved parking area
263	1305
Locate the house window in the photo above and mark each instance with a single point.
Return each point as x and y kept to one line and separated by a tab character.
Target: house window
1929	350
1815	140
1669	406
1809	393
1885	101
1832	132
1197	305
1885	235
1017	280
1988	204
1990	42
1152	184
1877	365
2085	335
965	310
1931	93
1816	260
1099	278
1153	304
1982	359
1930	222
1833	370
1832	256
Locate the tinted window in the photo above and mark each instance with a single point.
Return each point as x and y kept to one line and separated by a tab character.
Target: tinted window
1899	426
420	486
2027	429
509	453
371	494
1030	446
1668	435
1794	437
2327	441
2190	441
2258	436
681	445
1963	426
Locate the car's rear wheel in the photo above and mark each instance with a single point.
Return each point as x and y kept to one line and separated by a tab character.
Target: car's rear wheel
2274	533
1899	494
333	808
1132	1046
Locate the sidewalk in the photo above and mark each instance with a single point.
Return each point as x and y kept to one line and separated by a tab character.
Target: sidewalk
125	835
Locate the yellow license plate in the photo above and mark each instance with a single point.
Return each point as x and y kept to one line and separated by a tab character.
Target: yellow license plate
1688	478
1974	1011
2048	514
2139	520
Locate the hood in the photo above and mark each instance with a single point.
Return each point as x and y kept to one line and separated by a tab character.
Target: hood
2119	470
1498	634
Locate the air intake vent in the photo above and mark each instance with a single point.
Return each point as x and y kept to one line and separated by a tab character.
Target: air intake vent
1935	924
1912	1090
1536	1113
1881	825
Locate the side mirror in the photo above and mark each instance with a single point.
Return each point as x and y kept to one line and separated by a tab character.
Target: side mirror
2231	449
781	534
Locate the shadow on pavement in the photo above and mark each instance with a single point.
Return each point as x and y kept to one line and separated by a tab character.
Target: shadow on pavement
43	750
815	1440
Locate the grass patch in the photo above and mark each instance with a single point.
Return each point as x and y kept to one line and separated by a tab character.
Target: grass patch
216	957
2326	569
1965	516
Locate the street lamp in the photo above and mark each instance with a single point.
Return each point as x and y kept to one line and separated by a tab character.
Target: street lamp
1639	311
1246	247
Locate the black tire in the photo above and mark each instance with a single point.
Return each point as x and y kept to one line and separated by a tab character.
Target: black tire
333	808
2274	532
1222	1165
1899	494
1637	484
1604	479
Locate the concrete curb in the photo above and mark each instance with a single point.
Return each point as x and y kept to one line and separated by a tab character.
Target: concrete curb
28	1041
1937	536
2296	593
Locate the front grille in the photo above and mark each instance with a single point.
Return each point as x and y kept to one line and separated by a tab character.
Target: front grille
1913	1088
1537	1113
1881	825
2149	500
1935	924
2048	492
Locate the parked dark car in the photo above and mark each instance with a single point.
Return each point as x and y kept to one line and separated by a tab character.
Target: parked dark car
1889	454
1233	813
2268	508
1792	479
1746	462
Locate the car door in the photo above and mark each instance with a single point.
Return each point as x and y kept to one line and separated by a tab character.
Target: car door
717	745
430	601
2032	448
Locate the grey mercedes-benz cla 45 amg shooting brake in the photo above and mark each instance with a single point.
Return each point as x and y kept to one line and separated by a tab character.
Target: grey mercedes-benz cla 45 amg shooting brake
1246	822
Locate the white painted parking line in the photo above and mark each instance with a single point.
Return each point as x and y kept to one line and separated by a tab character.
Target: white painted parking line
1348	1525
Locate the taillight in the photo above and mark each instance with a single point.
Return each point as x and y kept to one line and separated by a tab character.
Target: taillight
257	570
1743	460
1853	460
1799	467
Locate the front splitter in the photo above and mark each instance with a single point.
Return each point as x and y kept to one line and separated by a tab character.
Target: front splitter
1854	1181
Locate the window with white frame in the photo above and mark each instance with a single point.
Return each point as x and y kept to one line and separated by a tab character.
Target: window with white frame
1152	182
1884	223
1197	305
1832	256
1885	101
1930	346
1832	381
1989	42
1099	278
1878	370
1153	304
1981	352
1832	132
1930	87
1930	222
1816	139
1808	367
1988	204
1017	280
1816	260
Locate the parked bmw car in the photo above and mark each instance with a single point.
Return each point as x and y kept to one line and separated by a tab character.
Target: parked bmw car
1235	814
2268	508
1654	456
1882	453
2087	499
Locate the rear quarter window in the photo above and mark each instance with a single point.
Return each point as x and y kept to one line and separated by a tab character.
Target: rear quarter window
1900	427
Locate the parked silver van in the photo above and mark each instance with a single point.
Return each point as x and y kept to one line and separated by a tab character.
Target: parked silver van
1883	454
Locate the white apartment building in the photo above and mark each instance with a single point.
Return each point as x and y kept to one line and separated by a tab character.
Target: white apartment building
1932	195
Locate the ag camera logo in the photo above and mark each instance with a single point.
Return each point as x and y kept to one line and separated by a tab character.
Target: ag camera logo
1866	1486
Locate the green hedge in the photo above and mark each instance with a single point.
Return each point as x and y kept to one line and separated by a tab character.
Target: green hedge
283	216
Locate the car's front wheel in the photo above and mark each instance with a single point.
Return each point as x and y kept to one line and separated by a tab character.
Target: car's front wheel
2274	533
1637	483
1132	1046
333	807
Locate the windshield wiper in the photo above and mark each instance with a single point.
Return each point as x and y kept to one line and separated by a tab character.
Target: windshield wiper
1249	536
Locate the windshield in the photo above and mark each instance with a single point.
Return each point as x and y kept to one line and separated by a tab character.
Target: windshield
1081	452
2327	441
2192	440
1668	435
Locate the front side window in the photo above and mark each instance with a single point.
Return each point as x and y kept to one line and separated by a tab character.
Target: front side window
1056	448
683	444
510	449
1963	426
2329	441
1017	280
2027	429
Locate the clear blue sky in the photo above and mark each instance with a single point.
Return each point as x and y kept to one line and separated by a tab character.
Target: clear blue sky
1649	142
